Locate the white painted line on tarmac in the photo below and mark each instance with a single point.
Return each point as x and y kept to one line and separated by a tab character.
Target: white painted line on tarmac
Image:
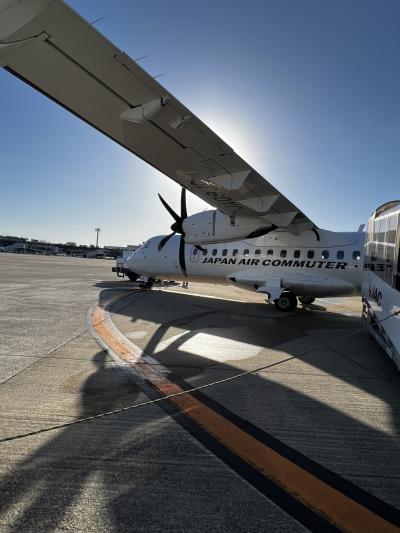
210	296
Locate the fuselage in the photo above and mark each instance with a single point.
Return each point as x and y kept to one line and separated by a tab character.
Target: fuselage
322	263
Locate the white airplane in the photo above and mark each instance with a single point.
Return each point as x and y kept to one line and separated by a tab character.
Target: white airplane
255	236
284	266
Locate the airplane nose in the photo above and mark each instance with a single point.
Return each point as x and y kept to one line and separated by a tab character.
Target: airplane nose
136	263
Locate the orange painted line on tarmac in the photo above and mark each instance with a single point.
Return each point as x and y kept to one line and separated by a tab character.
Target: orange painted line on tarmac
327	501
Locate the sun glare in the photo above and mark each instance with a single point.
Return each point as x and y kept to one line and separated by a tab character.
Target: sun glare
238	136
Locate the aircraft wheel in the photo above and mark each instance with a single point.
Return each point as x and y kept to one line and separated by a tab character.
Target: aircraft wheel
148	284
132	276
286	302
306	300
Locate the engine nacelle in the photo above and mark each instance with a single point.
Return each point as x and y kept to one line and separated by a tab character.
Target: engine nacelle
213	227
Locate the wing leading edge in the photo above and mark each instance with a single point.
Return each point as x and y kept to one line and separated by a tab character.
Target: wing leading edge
49	46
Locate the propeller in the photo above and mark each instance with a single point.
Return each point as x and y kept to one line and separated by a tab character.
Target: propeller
177	227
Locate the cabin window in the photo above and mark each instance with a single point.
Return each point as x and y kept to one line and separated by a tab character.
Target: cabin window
296	254
234	253
257	252
356	255
283	253
214	252
325	254
246	252
310	254
205	251
340	254
270	252
224	252
194	252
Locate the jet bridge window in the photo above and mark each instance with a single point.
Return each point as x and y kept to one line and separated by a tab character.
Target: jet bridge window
224	252
214	252
325	254
235	252
246	253
356	255
283	253
340	254
257	252
310	254
296	254
392	229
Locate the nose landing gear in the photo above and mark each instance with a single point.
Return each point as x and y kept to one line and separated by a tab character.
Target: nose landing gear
146	283
132	276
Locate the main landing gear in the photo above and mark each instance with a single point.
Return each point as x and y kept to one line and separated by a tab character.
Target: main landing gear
287	302
306	300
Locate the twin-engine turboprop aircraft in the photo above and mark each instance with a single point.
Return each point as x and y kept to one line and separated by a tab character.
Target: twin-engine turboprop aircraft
282	265
274	247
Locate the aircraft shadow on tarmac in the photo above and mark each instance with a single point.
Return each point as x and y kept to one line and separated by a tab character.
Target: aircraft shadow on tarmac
137	495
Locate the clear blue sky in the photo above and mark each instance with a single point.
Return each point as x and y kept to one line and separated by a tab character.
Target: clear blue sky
307	91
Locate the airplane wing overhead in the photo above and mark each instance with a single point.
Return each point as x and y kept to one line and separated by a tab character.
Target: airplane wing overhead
49	46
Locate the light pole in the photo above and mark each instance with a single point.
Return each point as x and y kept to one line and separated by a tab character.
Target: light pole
97	230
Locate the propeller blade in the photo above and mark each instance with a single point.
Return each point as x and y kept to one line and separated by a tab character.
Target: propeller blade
170	210
183	204
164	241
182	261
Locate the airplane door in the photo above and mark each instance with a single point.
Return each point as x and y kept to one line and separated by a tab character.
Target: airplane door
194	255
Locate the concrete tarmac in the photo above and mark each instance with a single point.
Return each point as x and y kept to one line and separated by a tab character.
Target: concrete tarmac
142	469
